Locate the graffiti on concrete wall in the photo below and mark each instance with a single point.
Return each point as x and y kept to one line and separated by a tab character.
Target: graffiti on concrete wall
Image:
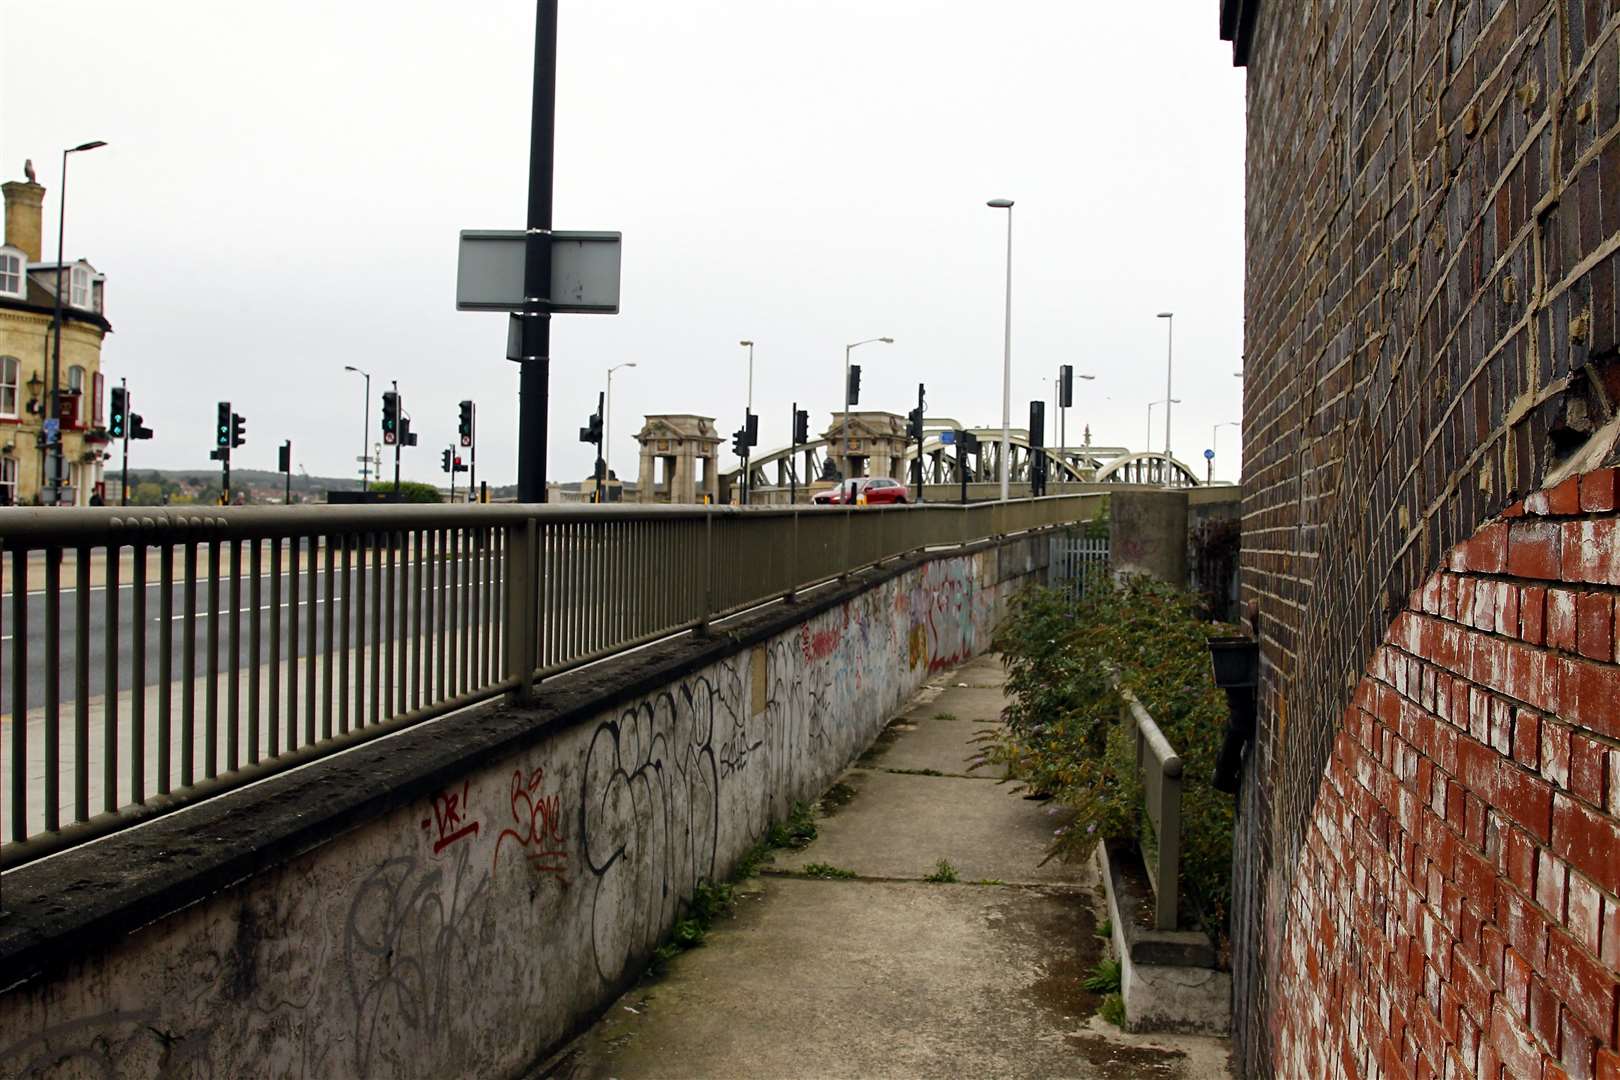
461	933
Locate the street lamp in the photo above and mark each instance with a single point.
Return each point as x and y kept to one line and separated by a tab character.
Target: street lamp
1006	356
56	321
607	421
847	350
365	430
1214	434
1149	443
1169	335
750	346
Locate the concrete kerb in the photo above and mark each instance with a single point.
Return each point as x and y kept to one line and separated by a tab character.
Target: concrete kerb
1187	995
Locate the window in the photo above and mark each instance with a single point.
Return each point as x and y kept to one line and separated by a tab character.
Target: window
95	400
79	287
73	412
10	372
76	379
8	481
11	273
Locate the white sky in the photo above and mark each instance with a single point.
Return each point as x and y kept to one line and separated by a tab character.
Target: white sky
285	183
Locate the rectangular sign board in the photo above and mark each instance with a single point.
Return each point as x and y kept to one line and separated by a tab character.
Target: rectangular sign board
584	271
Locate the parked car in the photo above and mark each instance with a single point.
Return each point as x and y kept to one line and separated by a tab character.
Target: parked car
870	490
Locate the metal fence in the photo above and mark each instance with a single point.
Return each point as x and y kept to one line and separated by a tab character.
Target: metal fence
1075	561
1158	767
150	658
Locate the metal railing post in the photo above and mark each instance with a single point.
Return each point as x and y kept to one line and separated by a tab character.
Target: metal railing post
520	615
702	627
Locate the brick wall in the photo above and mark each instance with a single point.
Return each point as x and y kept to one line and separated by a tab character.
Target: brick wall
1433	218
1456	910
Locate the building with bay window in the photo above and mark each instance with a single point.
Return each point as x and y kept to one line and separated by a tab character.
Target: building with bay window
27	310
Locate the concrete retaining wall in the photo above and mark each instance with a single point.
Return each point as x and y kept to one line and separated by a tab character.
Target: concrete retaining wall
429	920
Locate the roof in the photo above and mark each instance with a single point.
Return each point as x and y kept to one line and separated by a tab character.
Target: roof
40	302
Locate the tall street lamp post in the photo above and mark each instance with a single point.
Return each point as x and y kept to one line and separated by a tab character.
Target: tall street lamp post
56	323
1169	334
365	430
844	450
607	423
1149	443
750	346
1006	357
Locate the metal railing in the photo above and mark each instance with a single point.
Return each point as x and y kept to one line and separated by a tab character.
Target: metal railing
1159	768
188	653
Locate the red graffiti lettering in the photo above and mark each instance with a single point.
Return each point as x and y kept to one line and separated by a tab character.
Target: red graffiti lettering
539	826
447	822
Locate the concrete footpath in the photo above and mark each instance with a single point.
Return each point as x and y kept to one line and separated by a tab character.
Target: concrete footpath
886	973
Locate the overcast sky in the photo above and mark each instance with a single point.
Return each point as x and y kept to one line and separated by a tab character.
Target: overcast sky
284	185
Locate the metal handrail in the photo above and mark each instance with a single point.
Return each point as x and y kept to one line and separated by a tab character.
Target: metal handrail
1159	767
236	642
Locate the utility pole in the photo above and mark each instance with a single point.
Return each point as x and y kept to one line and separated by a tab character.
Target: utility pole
469	439
535	319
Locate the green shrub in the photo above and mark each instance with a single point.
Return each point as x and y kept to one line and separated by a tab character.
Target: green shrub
412	492
1065	737
944	873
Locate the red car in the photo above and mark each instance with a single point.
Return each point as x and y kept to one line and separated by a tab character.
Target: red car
872	490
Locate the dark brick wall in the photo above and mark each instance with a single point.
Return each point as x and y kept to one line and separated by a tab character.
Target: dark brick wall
1433	220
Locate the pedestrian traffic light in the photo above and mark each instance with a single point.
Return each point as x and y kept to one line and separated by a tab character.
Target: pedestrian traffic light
390	417
739	442
801	426
284	458
459	467
854	396
466	426
1065	386
446	464
222	429
238	429
116	418
138	428
407	437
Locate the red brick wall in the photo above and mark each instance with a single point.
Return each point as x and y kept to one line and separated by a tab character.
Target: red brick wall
1456	909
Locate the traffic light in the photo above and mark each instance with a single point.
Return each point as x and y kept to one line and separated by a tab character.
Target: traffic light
592	431
801	426
407	437
466	426
390	417
854	397
238	429
751	425
1065	386
914	423
284	458
116	419
138	428
459	467
446	463
222	427
739	442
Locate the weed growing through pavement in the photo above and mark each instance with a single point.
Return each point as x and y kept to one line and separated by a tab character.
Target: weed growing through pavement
1104	978
826	872
944	873
1113	1010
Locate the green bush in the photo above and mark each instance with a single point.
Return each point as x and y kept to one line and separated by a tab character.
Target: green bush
1065	737
412	492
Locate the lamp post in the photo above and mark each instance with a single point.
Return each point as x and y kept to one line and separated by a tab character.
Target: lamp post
1149	443
847	350
607	422
1006	357
56	323
365	430
1214	434
1169	318
750	345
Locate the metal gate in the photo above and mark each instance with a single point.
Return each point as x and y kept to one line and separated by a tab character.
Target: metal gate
1075	560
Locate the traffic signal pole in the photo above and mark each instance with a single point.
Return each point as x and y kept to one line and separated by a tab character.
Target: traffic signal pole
793	451
535	320
123	482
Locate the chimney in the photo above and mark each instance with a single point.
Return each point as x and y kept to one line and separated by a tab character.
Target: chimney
25	203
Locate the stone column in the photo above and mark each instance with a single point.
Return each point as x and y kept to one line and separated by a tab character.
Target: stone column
1147	534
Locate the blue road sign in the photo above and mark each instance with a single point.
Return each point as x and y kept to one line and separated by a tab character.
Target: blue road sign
53	428
1209	455
947	437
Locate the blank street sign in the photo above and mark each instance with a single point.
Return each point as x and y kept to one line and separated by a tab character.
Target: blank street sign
584	271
